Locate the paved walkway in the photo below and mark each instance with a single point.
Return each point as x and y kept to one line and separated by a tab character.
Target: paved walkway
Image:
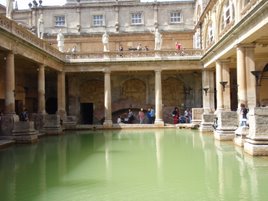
6	143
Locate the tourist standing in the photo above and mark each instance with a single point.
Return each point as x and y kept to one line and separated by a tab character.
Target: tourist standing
141	116
152	115
130	116
175	115
243	115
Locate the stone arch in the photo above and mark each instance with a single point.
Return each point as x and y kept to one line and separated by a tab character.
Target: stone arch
134	89
219	18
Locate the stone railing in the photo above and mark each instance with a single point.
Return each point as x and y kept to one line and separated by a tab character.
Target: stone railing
24	34
134	54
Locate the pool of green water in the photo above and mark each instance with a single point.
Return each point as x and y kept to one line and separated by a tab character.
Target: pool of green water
132	165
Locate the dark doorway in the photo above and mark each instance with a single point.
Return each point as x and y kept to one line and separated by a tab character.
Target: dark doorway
51	105
86	113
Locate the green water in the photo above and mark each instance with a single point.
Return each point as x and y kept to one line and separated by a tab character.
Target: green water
132	165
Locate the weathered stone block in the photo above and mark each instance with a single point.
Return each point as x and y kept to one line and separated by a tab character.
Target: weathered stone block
197	115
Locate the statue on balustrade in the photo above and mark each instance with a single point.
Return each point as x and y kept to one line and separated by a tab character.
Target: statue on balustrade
40	27
9	8
158	39
60	39
105	42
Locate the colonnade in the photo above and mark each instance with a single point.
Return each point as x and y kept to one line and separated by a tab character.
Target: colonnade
10	87
61	96
253	138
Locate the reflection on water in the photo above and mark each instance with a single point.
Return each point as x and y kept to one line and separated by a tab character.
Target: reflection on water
131	165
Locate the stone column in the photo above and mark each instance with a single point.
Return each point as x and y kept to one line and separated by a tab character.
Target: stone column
10	85
9	118
208	116
155	15
252	94
41	89
227	89
39	117
158	99
61	95
226	119
256	142
219	86
117	18
241	76
107	99
250	88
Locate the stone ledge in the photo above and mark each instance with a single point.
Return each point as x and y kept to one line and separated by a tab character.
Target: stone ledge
256	149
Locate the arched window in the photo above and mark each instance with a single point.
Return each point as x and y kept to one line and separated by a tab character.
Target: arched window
228	14
210	34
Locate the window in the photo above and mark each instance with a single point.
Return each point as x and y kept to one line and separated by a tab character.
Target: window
210	34
98	20
59	21
227	14
175	17
136	18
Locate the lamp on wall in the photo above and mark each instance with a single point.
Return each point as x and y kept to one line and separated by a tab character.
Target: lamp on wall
258	75
205	90
223	83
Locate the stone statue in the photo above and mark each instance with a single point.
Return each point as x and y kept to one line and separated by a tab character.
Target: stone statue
60	39
40	27
105	42
9	8
158	40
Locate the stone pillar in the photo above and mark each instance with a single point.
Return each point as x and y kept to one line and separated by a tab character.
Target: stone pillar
226	122
250	87
9	118
10	85
227	89
107	99
41	90
252	100
219	86
158	99
61	95
155	15
117	18
39	117
256	143
241	76
208	101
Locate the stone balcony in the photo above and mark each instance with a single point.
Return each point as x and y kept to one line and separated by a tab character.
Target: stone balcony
132	55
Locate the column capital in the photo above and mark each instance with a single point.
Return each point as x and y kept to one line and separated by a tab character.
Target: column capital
107	70
246	45
158	70
224	61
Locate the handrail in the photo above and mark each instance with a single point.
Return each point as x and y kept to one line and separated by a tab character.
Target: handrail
24	34
130	54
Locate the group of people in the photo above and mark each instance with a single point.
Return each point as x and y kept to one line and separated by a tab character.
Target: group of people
185	118
143	116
